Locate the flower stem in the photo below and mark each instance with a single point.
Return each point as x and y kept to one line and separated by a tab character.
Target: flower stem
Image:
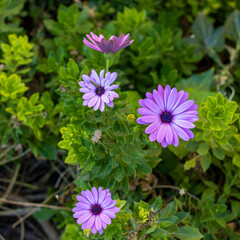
107	64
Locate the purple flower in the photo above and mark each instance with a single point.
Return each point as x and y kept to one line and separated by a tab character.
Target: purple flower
98	90
95	209
169	114
113	45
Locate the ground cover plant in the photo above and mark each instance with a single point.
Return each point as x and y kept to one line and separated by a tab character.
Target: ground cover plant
120	119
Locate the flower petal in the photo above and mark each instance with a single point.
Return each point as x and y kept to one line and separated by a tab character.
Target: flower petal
159	100
90	222
105	218
183	107
114	209
109	213
83	205
184	124
88	95
102	106
164	143
115	86
84	90
171	99
153	136
152	106
95	194
97	104
146	111
161	132
167	91
105	98
98	223
110	104
82	199
90	196
80	213
84	218
149	119
152	127
94	229
180	132
142	103
86	78
101	196
149	96
110	204
93	101
169	134
175	138
106	202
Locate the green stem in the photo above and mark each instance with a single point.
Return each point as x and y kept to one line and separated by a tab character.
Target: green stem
107	64
7	150
27	185
13	181
15	158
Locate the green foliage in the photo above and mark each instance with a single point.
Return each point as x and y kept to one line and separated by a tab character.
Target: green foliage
16	54
217	130
232	26
9	8
198	86
122	151
191	45
72	231
11	87
22	117
152	221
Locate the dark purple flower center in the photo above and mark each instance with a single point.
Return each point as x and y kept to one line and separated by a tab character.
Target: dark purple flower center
100	90
96	209
166	117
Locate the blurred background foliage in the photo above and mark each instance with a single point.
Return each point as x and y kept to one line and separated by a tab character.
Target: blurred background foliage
193	45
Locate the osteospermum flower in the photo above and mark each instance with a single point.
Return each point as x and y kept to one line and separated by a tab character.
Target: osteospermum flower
169	114
95	209
98	90
112	45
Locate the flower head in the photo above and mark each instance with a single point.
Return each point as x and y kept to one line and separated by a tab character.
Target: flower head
112	45
169	114
97	136
95	209
182	192
98	90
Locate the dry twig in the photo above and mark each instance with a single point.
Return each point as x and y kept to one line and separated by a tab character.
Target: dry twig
178	189
45	201
19	217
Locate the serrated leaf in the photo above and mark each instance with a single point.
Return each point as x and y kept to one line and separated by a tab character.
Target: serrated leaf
73	69
188	233
232	26
236	160
205	161
168	211
205	37
203	148
218	153
190	164
44	214
119	173
157	204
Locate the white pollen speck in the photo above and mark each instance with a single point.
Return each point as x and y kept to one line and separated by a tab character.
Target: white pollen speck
97	136
182	191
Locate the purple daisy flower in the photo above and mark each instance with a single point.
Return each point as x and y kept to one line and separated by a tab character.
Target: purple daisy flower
98	90
113	45
95	209
169	114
